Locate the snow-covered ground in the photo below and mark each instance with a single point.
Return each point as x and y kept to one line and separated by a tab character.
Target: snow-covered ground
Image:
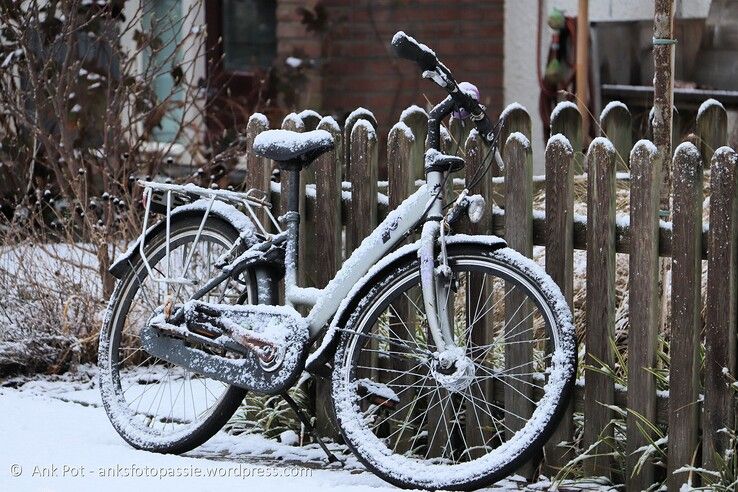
56	436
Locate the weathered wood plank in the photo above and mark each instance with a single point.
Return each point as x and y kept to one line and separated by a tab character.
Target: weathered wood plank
258	169
720	329
643	307
559	225
515	118
416	119
518	159
480	428
348	127
327	234
616	126
566	120
712	129
686	302
401	184
600	314
363	178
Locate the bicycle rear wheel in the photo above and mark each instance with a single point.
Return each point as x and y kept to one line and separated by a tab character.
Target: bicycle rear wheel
153	404
419	424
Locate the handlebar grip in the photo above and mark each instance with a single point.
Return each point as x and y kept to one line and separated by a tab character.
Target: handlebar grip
408	48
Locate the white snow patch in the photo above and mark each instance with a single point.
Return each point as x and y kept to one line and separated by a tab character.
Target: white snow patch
260	118
610	106
366	125
411	111
510	108
560	107
708	104
520	138
401	127
601	141
562	141
329	122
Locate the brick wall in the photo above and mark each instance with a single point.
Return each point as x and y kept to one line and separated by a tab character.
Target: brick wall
359	70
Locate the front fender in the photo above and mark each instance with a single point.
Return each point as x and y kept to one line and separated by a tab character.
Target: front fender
324	352
220	209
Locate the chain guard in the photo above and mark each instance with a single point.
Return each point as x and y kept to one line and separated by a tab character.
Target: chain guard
276	326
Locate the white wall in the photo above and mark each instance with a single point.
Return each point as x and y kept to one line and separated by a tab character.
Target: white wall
520	79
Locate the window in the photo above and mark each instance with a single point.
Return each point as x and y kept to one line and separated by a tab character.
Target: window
164	21
249	34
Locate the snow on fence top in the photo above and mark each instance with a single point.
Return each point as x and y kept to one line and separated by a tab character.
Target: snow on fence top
610	106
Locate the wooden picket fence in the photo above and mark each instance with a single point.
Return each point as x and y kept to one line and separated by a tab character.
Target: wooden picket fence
344	199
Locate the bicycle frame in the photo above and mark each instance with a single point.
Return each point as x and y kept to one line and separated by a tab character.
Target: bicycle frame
425	204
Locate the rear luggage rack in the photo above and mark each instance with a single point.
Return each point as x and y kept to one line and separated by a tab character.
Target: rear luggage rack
162	198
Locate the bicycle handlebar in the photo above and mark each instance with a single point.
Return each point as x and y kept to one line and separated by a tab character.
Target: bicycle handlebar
409	48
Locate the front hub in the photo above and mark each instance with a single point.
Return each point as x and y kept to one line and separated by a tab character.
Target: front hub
453	370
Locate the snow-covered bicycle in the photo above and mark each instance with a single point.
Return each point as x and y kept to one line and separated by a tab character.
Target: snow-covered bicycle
418	339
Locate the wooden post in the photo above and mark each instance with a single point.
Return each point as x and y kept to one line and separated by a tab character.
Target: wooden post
663	93
515	118
712	128
402	314
720	329
582	57
416	119
480	428
363	178
258	169
518	322
599	390
310	120
327	234
616	126
686	301
567	120
560	262
644	307
348	127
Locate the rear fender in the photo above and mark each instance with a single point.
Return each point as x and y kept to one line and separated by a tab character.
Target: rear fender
219	209
324	352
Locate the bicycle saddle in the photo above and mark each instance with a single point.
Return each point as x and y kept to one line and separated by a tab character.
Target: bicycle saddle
293	149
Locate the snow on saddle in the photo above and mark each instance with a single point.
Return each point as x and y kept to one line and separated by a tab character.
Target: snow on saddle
293	149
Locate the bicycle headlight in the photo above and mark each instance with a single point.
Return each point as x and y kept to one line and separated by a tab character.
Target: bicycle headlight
476	208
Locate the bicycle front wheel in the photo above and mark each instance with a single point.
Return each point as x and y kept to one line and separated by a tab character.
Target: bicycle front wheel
419	423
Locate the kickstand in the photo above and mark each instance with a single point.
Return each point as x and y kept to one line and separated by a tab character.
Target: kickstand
306	422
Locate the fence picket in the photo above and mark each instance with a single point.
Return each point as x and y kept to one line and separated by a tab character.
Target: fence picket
600	316
258	169
519	235
348	127
327	234
643	307
399	173
560	261
363	178
478	429
566	120
686	302
515	118
616	126
720	330
416	119
712	128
